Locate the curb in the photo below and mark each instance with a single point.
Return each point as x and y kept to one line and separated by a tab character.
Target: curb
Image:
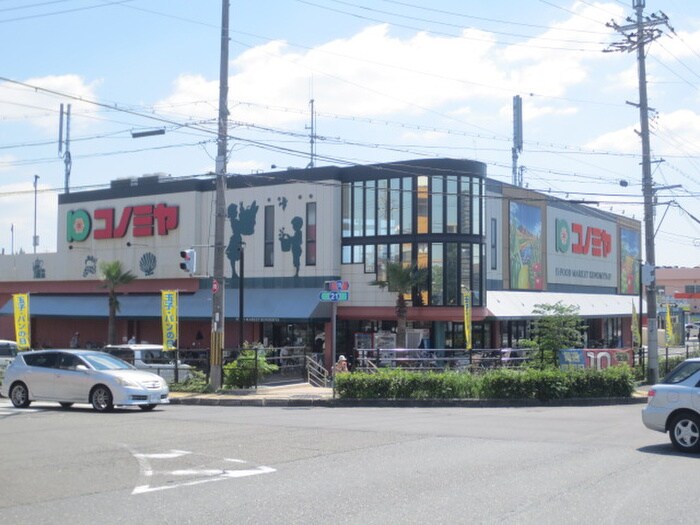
406	403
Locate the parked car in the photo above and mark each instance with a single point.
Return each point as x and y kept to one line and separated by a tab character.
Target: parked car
152	358
81	376
8	351
674	406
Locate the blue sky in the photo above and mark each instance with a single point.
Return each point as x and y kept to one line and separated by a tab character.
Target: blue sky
391	80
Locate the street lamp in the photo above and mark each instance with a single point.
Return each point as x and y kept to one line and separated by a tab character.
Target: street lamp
35	240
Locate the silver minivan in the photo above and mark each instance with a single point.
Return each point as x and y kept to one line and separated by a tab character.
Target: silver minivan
151	357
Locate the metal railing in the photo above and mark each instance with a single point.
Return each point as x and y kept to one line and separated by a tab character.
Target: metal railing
440	359
316	374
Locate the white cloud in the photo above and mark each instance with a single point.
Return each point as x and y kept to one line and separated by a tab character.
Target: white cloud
40	109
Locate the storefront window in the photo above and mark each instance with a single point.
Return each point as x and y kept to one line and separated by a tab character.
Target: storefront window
422	204
451	272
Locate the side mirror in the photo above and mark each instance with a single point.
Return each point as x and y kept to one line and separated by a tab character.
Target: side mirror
82	368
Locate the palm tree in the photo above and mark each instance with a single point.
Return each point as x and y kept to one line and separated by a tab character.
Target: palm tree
113	276
402	279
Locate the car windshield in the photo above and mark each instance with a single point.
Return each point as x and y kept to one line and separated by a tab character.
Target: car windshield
106	362
682	372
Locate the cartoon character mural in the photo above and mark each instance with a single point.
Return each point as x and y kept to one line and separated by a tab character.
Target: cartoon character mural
242	221
526	271
293	242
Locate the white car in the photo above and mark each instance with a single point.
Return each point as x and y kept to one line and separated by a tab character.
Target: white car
674	406
81	376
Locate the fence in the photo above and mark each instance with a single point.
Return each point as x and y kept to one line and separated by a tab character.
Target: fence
440	359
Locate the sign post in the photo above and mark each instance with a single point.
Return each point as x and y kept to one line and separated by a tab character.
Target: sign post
334	291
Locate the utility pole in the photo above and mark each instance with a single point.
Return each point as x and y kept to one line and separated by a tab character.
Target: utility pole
636	34
67	160
218	318
35	239
312	140
517	139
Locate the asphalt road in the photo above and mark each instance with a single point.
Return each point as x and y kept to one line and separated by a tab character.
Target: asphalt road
211	465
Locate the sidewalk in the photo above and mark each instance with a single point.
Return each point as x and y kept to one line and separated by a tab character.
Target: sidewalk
298	394
304	394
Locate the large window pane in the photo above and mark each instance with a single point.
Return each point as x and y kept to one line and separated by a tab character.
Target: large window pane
422	261
382	259
358	254
476	206
476	274
358	216
437	198
370	210
311	234
451	205
407	206
383	207
466	265
346	199
370	258
436	274
422	204
395	206
466	206
451	271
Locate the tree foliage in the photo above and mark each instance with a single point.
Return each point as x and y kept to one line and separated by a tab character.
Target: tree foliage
113	277
557	327
401	279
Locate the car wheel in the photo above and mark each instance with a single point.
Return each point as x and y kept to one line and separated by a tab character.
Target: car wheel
66	405
685	432
19	394
146	408
101	399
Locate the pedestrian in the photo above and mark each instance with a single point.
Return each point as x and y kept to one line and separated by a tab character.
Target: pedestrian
342	365
75	340
132	340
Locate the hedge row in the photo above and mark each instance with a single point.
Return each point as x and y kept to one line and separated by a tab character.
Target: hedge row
543	385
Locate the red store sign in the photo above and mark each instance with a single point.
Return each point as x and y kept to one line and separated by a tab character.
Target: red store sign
144	220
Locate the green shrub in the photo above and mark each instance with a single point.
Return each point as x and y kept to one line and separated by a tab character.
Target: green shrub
400	384
197	382
544	385
241	372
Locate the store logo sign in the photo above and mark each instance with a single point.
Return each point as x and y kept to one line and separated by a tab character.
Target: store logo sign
582	240
144	220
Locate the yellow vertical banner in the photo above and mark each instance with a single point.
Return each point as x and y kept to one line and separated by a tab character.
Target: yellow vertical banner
23	333
169	313
467	296
669	326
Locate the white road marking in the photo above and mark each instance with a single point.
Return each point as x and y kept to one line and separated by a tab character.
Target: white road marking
204	472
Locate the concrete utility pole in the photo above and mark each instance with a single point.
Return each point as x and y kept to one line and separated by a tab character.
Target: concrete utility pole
638	33
517	139
218	318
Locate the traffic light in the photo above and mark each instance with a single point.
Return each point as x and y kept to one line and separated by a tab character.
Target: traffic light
648	274
189	261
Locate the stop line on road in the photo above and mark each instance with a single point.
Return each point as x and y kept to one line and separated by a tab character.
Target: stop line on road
181	468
